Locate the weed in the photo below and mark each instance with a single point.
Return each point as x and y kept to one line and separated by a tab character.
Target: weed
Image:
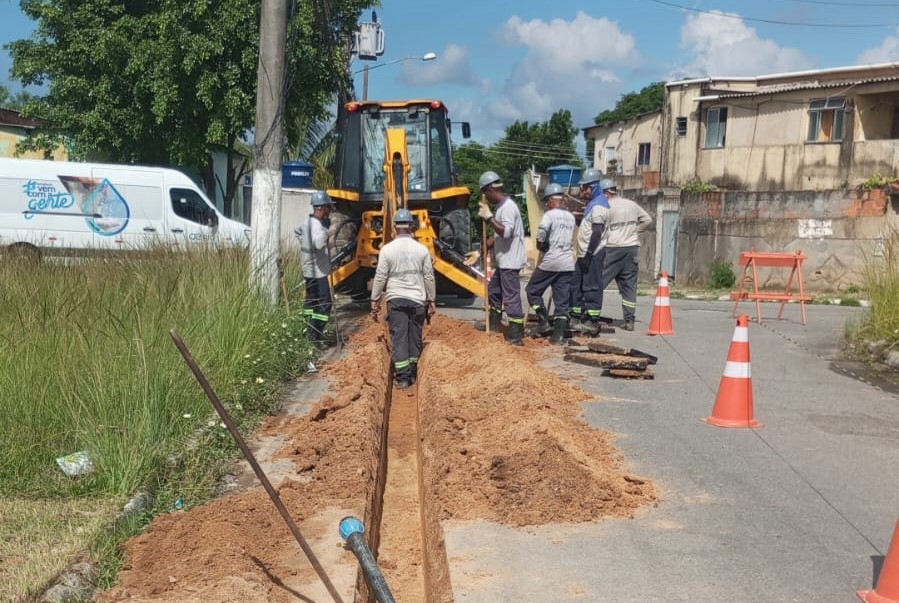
695	185
877	181
721	275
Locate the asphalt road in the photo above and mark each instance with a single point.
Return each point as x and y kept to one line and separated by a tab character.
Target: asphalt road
801	509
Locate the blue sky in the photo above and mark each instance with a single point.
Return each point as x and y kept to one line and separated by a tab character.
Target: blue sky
499	61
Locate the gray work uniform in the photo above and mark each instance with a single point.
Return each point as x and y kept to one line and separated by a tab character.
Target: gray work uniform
591	259
556	265
405	275
316	264
622	257
504	289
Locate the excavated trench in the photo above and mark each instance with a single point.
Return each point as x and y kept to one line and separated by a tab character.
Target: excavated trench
405	531
487	435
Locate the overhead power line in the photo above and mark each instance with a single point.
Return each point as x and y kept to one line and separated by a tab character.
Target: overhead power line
826	2
539	148
777	21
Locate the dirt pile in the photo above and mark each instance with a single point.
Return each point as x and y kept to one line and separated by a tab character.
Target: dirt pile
503	439
238	548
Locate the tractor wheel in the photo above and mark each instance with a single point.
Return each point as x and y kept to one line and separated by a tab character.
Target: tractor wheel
455	230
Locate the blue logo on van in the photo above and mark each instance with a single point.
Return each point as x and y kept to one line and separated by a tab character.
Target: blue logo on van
105	210
45	197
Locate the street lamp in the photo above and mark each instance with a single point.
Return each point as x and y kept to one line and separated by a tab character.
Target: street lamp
430	56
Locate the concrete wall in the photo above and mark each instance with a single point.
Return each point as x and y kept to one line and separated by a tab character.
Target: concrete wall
839	232
296	206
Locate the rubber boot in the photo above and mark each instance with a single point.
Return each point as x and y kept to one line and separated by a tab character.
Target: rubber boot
628	325
514	332
542	327
591	328
495	321
578	324
560	327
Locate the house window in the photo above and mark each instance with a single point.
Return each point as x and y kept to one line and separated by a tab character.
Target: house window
825	119
611	160
715	127
681	128
643	154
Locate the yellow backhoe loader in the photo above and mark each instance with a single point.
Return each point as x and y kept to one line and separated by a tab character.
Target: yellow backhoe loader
394	155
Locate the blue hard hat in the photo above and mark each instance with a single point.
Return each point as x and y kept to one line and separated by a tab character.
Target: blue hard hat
590	176
321	198
403	216
607	183
553	190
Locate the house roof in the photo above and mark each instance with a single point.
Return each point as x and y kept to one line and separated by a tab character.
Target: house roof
857	69
11	117
792	86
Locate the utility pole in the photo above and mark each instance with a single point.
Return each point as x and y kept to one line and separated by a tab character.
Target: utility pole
265	237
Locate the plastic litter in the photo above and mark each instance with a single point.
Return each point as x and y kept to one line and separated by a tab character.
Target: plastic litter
75	464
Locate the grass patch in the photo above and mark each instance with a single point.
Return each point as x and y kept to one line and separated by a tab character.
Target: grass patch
881	282
39	536
94	369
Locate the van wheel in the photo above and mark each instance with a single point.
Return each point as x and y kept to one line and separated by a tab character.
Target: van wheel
24	252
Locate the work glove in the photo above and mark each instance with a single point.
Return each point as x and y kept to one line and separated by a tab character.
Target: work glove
484	211
375	308
471	258
584	263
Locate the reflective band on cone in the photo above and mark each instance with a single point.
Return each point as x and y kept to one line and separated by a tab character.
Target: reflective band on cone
660	323
733	405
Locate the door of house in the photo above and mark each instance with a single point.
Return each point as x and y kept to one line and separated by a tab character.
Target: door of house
669	241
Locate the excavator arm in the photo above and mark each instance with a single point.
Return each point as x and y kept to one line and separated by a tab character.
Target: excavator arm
377	229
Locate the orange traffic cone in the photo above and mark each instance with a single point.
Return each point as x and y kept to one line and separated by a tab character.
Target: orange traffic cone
660	323
887	589
733	406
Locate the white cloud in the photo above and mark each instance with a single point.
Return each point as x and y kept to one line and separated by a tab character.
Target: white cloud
452	66
568	65
887	52
724	46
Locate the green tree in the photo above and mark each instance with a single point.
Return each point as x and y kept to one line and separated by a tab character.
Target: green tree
15	101
650	98
540	144
170	81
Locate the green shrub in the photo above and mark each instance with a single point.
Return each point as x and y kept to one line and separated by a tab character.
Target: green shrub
722	275
877	181
850	301
695	185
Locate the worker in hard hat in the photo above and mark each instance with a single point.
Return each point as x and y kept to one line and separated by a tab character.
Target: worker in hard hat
555	241
622	255
590	243
316	263
405	277
504	288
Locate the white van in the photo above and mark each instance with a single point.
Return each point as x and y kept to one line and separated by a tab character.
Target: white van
63	207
